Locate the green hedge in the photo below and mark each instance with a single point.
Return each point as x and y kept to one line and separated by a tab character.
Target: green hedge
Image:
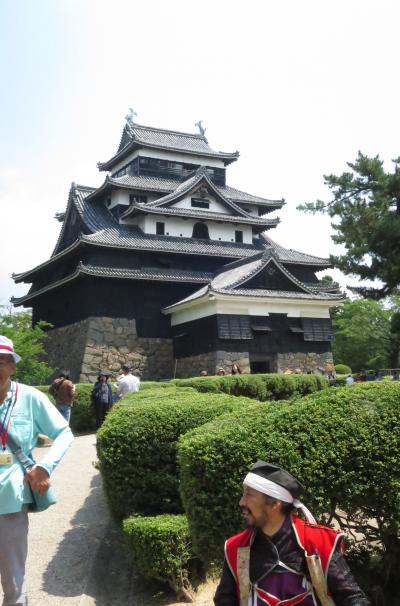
341	443
259	387
343	369
137	447
161	548
82	415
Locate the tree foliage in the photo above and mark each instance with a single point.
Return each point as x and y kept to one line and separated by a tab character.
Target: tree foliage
28	343
362	334
365	209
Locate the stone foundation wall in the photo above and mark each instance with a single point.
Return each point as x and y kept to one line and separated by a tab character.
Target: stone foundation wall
304	362
94	344
210	362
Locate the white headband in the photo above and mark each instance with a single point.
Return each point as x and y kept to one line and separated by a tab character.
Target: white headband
276	491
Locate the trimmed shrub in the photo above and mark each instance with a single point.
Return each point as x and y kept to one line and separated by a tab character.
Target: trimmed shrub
82	415
343	369
137	447
259	387
160	546
342	444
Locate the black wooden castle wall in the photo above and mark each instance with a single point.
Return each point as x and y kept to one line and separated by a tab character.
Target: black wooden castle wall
93	297
262	334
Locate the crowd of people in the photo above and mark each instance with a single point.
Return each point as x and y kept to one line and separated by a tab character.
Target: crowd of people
63	391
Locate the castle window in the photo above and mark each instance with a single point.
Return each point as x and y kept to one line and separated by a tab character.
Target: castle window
317	329
234	327
238	236
160	228
198	203
200	230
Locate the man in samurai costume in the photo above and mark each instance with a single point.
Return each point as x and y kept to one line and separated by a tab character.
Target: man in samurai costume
282	559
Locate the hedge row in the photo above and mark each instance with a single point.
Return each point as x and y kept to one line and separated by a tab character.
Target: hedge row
82	414
341	443
259	387
161	548
137	446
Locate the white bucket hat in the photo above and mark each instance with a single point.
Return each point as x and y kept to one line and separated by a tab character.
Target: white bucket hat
7	347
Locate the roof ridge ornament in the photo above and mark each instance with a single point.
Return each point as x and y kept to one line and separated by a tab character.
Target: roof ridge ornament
129	116
202	130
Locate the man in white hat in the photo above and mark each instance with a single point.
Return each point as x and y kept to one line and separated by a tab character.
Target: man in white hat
24	413
282	558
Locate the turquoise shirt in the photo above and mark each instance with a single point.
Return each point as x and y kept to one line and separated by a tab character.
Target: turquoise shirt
32	414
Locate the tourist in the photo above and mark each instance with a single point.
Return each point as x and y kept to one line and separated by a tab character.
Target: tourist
63	391
268	559
236	370
102	397
349	380
27	412
127	382
221	372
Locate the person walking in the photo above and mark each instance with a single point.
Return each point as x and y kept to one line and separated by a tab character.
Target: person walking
63	391
102	397
25	412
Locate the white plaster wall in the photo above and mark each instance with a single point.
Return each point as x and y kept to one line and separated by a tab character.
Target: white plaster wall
121	196
178	227
294	309
118	196
169	155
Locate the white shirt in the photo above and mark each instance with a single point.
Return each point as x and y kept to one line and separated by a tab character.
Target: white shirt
128	383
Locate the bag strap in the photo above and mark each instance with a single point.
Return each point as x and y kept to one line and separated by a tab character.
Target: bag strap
25	461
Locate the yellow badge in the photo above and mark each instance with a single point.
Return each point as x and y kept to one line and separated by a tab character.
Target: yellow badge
6	458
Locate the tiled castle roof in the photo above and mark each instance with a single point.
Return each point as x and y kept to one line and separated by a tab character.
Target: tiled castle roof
231	279
136	136
144	273
102	230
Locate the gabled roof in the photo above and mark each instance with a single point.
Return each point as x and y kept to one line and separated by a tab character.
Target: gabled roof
200	178
233	277
101	230
161	185
135	136
288	255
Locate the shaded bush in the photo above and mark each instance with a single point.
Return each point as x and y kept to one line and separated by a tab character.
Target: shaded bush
137	446
259	387
341	443
161	548
343	369
82	414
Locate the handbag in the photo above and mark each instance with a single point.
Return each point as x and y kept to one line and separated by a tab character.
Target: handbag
40	502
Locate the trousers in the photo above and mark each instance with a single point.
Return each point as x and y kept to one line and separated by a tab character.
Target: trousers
13	553
64	410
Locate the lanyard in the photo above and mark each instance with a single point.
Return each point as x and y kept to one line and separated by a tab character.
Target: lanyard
11	404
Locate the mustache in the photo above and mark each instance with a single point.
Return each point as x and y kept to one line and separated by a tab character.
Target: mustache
245	510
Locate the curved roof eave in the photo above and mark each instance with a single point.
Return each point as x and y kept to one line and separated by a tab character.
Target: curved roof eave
21	277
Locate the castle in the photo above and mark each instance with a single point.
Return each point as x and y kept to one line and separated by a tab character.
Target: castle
168	267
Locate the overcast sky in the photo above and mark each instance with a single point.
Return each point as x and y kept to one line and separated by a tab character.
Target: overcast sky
298	87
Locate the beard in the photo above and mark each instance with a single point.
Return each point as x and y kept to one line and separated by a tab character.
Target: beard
248	517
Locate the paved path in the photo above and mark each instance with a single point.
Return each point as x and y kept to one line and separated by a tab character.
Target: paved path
66	542
75	555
